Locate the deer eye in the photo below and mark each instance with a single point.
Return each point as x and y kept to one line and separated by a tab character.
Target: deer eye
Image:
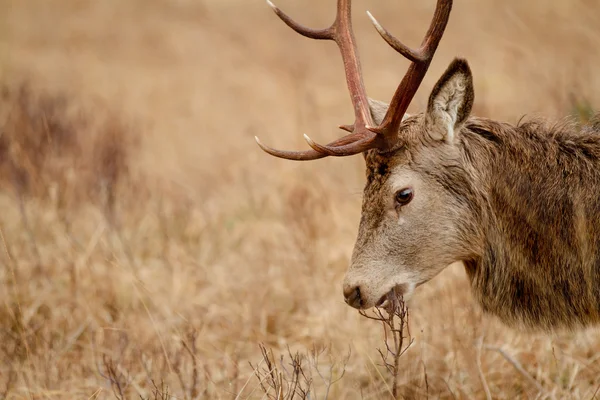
404	196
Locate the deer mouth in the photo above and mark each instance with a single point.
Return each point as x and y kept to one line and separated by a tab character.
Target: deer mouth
393	297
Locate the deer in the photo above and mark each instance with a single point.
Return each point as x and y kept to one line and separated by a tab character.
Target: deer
517	205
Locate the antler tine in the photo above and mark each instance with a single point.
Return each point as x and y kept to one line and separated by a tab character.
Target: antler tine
431	40
361	138
306	155
421	59
318	151
354	147
412	55
319	34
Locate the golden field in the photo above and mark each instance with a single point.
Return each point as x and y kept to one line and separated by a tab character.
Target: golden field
147	244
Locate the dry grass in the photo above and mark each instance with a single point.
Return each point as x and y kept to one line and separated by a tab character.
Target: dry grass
147	245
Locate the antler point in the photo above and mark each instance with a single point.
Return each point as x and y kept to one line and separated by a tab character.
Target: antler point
262	146
376	23
308	139
347	128
273	6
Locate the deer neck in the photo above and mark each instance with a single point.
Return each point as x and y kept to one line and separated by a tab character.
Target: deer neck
540	246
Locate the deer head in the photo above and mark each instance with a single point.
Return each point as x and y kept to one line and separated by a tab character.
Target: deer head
413	221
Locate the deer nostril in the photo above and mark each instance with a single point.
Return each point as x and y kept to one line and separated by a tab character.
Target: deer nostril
353	298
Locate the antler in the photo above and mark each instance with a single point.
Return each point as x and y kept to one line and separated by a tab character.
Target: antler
364	135
421	59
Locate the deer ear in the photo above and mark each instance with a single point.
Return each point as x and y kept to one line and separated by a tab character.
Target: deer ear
378	110
450	101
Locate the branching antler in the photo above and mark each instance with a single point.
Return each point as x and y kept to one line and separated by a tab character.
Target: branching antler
342	34
364	135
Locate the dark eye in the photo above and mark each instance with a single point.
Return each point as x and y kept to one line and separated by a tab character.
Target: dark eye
404	196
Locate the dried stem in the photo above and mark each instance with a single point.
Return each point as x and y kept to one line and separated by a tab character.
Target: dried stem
291	378
160	393
394	319
192	350
517	366
486	388
328	379
119	382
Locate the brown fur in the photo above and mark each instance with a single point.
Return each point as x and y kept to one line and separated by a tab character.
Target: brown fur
540	219
520	206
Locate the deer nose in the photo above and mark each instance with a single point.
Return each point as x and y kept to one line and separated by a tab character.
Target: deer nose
352	296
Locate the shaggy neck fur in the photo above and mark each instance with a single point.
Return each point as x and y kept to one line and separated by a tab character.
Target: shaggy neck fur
538	231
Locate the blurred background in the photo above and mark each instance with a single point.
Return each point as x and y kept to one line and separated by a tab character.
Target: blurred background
148	245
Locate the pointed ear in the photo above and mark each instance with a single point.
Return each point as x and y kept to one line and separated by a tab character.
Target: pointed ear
378	110
450	101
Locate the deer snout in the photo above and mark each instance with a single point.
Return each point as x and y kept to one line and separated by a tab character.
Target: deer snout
360	292
352	296
363	292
